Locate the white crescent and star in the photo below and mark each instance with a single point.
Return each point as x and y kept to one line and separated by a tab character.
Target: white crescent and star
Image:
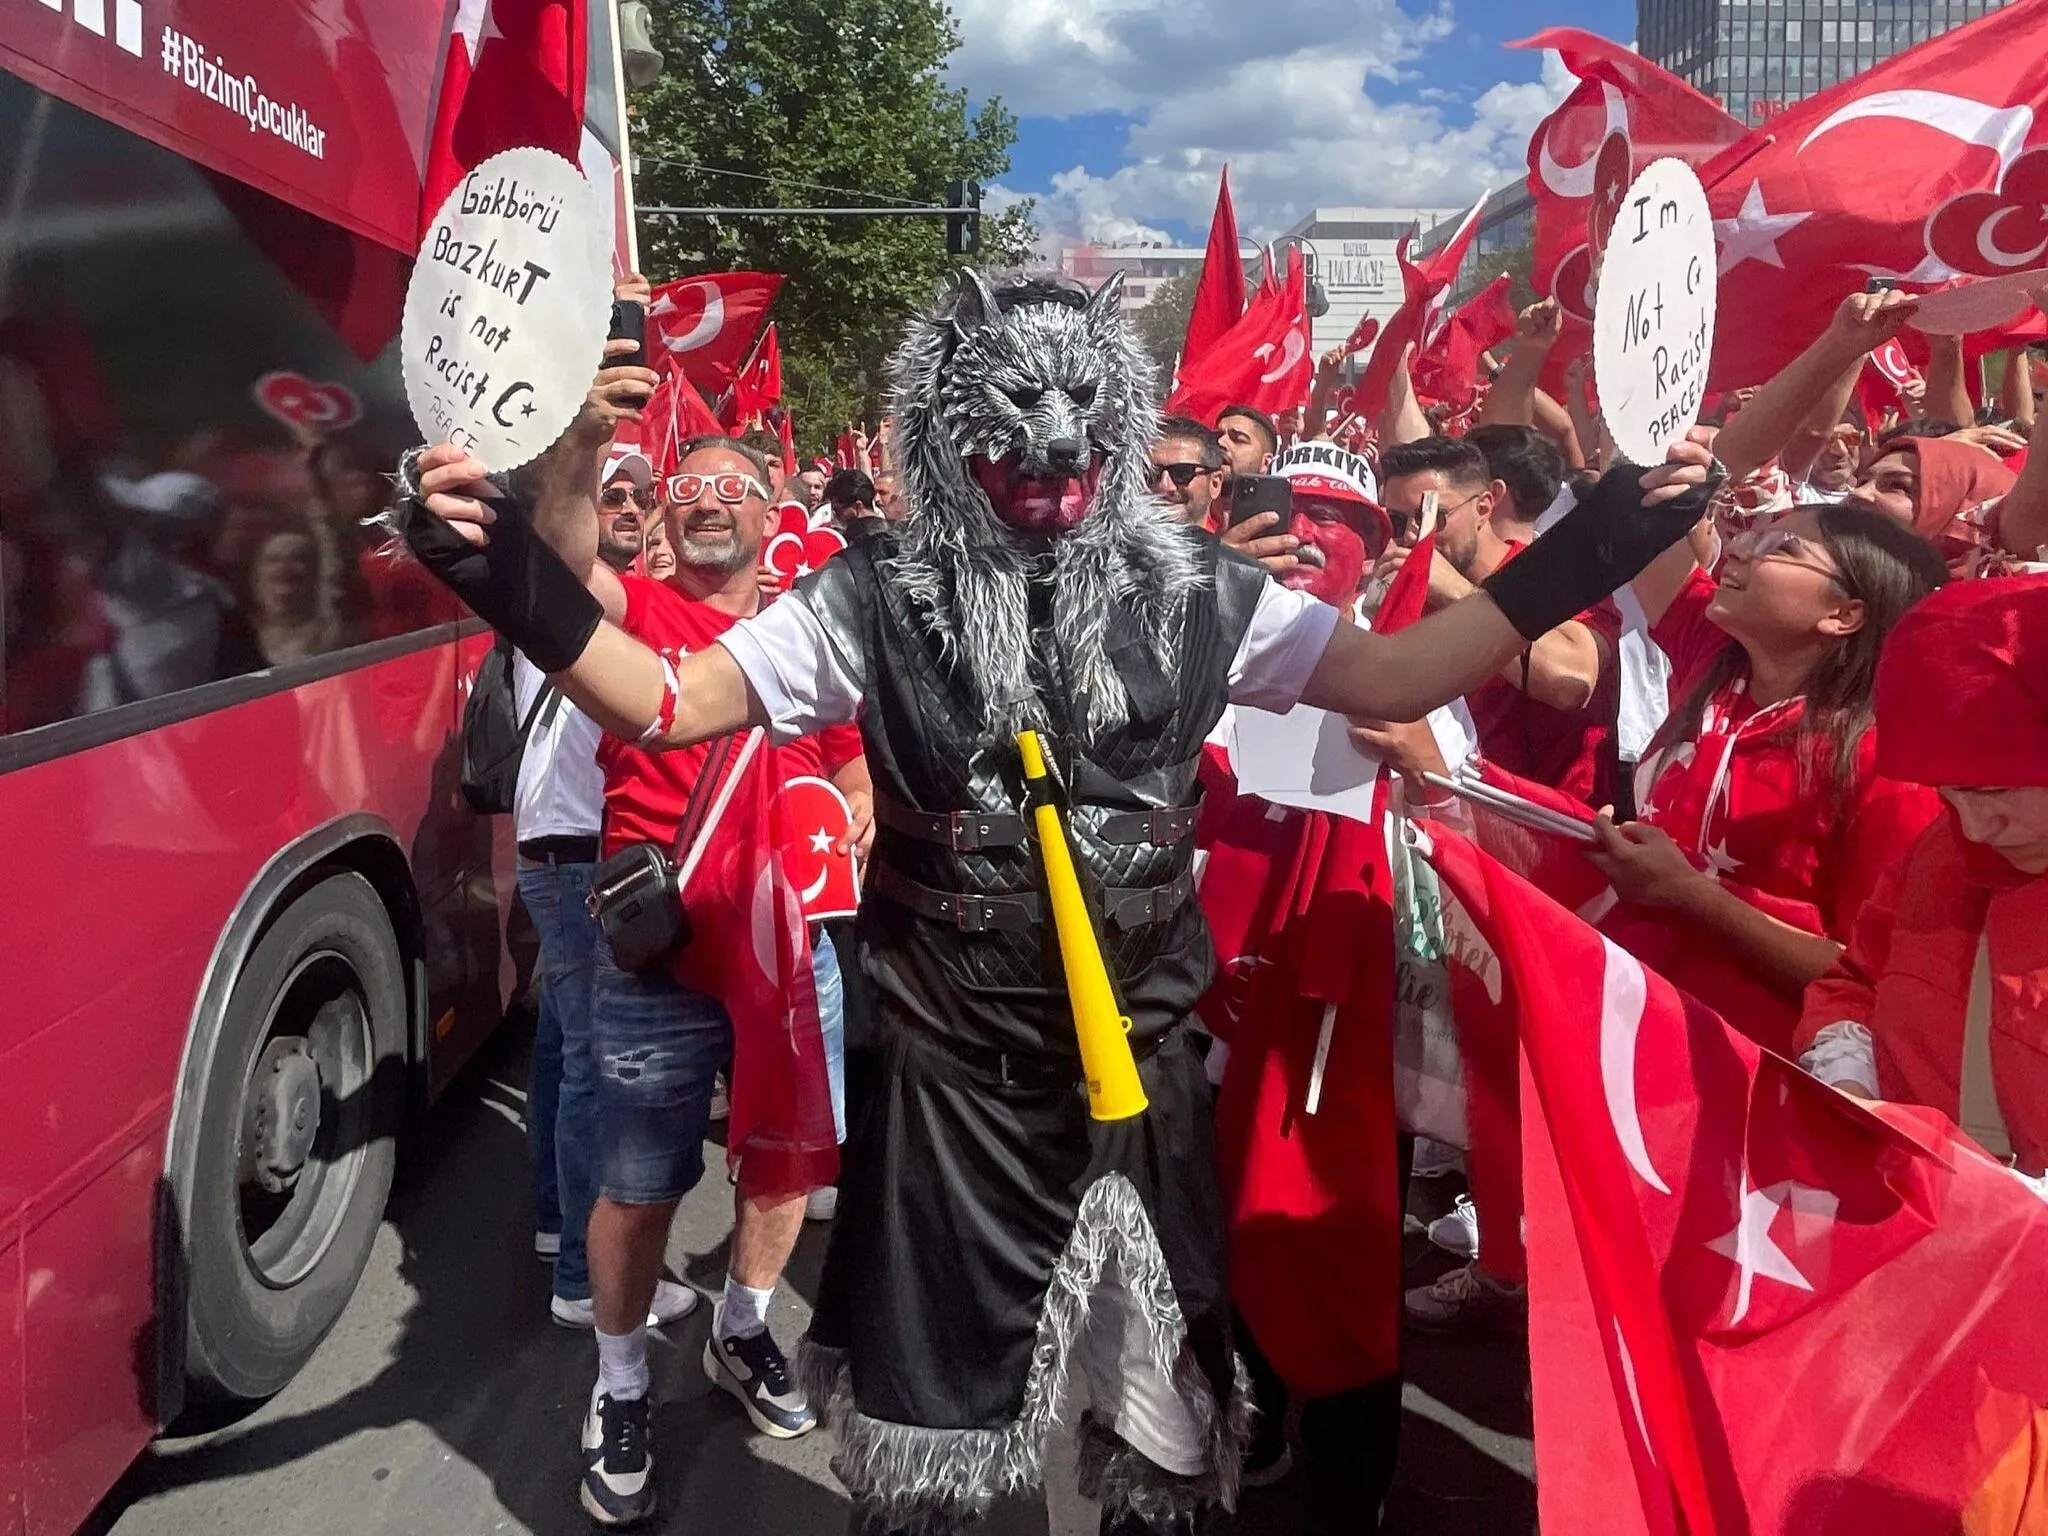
2003	130
1291	354
1624	991
1578	179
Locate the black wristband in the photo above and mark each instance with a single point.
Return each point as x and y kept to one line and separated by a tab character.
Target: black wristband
515	583
1599	546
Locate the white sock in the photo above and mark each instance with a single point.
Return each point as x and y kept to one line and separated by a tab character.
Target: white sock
622	1364
744	1311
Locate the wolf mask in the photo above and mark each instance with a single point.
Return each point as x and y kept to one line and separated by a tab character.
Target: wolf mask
1023	433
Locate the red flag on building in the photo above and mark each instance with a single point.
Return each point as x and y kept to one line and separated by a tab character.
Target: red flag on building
1424	284
1623	113
1219	294
707	326
1763	1305
1447	368
749	948
1931	166
1263	361
513	77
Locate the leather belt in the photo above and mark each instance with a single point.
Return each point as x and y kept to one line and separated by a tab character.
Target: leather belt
970	831
1126	906
1169	824
559	850
961	831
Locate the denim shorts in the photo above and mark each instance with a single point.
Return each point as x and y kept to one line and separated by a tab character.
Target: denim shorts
657	1048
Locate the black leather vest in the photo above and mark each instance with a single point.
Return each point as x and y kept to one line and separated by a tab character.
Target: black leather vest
976	974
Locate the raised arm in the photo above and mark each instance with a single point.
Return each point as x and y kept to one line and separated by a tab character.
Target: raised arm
1598	546
1762	429
1512	400
486	546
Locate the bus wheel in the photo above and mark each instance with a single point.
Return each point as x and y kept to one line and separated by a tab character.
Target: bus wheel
297	1135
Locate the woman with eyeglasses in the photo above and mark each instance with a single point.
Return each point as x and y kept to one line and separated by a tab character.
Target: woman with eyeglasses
1764	824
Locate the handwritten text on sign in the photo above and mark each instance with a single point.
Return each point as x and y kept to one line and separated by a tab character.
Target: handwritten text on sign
510	301
1653	319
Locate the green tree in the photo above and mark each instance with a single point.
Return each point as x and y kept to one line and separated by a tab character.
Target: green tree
781	103
1162	325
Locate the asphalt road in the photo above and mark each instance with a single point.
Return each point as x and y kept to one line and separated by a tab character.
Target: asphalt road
446	1402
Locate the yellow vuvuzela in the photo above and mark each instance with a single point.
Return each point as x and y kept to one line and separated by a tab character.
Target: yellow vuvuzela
1114	1092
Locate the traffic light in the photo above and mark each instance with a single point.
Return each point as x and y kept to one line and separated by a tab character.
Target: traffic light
963	228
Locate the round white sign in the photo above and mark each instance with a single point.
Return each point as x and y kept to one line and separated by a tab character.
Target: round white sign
508	309
1653	316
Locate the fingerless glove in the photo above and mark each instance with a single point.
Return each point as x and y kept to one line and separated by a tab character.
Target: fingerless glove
1598	547
515	583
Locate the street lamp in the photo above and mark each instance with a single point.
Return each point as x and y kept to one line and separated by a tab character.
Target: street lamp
1318	295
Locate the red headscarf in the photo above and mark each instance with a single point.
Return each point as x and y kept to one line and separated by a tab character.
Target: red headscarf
1962	689
1955	477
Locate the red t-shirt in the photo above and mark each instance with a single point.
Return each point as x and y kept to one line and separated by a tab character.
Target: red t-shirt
1572	750
646	793
1753	802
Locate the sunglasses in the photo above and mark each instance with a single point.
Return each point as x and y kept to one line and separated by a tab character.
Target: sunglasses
732	489
1182	475
616	496
1769	543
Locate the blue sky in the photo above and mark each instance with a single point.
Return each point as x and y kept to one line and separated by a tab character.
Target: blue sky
1128	108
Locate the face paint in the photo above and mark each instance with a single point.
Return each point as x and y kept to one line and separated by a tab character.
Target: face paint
1333	555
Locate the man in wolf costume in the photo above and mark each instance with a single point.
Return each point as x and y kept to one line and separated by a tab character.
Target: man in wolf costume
993	1237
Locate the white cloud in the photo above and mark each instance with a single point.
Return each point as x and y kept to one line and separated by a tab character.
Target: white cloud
1280	91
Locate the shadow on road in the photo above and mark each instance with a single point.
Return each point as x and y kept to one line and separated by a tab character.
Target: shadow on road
475	1363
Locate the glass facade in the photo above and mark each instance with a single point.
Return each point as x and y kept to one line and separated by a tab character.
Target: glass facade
1759	56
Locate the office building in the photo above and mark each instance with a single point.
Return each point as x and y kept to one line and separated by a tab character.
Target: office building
1758	59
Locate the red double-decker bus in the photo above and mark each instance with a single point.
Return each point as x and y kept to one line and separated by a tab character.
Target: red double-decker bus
247	927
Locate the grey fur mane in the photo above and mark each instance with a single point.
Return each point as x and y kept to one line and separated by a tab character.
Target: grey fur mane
961	383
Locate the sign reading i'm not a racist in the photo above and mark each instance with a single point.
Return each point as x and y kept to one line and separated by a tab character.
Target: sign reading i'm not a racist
1653	318
507	312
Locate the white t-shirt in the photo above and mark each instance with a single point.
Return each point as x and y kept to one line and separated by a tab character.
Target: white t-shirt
561	788
790	663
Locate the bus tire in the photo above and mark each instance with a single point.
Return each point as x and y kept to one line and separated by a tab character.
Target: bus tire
297	1134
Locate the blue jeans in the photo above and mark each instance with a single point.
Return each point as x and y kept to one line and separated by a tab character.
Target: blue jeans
561	1095
831	1022
657	1049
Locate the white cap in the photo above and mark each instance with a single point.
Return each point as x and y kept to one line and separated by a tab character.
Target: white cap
631	463
171	493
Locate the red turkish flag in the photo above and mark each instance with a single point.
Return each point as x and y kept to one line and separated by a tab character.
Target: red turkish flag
513	77
674	414
815	818
1219	295
707	326
1361	335
1263	361
1764	1305
1425	285
749	948
1929	167
759	384
1623	113
799	541
1448	369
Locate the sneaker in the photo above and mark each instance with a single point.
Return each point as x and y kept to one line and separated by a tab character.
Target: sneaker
1468	1298
1434	1159
821	1204
672	1303
721	1099
618	1462
754	1370
1457	1230
548	1245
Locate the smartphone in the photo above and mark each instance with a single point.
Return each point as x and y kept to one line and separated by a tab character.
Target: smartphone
629	323
1252	494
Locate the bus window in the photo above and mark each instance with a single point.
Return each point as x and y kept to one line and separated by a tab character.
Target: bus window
198	402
